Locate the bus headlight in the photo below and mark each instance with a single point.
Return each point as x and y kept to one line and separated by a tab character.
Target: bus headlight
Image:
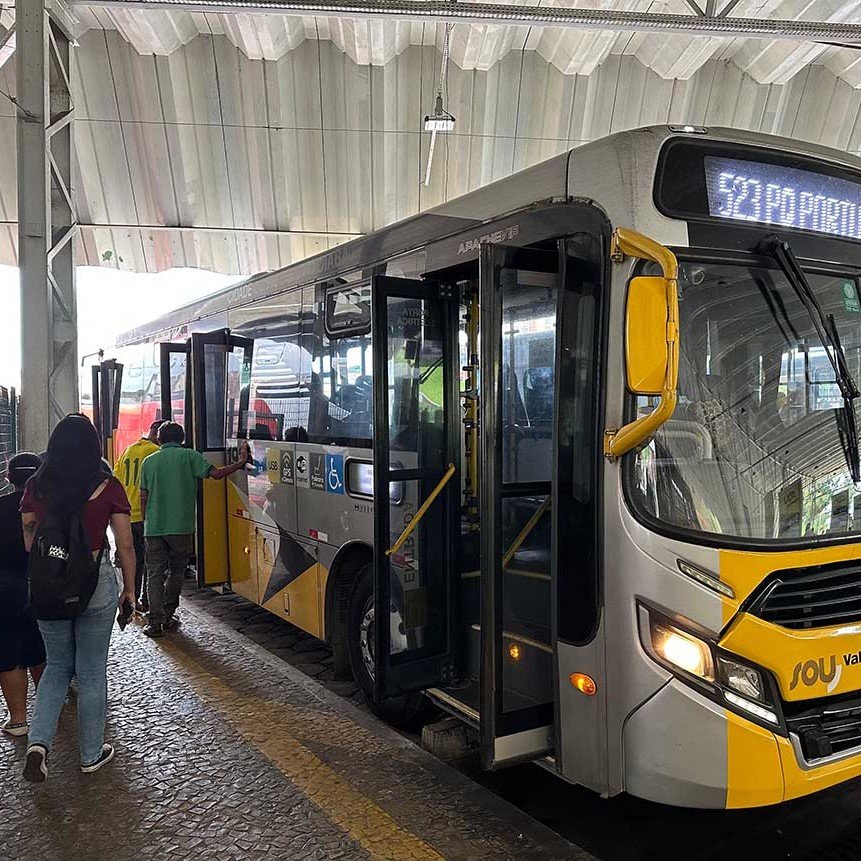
742	679
682	650
698	661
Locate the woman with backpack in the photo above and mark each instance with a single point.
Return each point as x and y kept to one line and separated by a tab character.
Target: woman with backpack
21	647
67	506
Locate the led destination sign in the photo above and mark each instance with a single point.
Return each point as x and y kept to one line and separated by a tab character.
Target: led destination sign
772	194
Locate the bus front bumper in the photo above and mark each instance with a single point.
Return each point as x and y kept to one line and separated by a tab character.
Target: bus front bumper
681	748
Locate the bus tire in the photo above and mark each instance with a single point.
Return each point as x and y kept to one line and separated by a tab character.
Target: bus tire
404	711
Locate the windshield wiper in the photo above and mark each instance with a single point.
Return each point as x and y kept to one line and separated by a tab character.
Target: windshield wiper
846	426
826	329
782	252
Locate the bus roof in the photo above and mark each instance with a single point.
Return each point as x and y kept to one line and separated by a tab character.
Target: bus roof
545	181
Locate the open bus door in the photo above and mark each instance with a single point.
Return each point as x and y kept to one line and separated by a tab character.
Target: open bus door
175	385
220	371
518	293
107	382
416	484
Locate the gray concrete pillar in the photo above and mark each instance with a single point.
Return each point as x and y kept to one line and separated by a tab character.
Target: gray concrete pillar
47	223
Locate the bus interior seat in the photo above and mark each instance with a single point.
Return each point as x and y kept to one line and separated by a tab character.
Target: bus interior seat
355	400
262	431
296	434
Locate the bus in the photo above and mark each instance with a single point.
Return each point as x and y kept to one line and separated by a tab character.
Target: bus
586	440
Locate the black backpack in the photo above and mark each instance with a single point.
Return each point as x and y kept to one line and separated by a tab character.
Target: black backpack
61	571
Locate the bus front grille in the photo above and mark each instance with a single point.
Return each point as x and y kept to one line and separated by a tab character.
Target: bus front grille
811	598
825	728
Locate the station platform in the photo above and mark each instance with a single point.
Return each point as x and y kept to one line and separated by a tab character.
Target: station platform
226	752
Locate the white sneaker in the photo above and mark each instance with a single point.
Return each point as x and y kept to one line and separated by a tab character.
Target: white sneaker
16	730
105	757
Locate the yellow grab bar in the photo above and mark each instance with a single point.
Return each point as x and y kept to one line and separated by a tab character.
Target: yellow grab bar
630	243
524	533
408	529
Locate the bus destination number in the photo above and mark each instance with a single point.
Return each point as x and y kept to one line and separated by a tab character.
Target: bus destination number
771	194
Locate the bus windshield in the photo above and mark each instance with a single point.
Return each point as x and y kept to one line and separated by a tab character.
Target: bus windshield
756	448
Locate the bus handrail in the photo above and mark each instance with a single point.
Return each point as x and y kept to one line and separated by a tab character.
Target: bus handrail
524	533
408	529
628	242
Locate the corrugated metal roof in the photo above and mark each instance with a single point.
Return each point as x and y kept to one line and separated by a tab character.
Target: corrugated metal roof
193	153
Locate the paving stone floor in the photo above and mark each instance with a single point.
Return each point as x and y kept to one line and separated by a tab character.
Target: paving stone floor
277	636
225	751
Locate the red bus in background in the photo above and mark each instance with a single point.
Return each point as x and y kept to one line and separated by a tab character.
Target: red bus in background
140	397
140	392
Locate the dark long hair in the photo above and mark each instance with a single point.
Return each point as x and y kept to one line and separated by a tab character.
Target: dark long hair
71	468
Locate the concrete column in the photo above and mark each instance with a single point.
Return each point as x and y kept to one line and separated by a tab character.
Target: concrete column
47	222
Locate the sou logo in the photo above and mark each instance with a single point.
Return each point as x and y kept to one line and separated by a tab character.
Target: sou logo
813	672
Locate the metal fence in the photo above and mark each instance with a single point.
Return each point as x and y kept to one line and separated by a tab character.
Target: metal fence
8	433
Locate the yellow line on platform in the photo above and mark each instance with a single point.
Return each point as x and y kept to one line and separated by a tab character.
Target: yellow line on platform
262	723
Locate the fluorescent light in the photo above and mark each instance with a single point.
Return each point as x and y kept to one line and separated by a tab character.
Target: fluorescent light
439	124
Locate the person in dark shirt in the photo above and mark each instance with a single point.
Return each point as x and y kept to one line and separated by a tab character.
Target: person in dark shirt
21	646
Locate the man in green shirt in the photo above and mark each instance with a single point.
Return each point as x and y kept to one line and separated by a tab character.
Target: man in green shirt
168	484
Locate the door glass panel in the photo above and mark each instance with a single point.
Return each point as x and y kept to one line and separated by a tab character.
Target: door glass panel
418	624
238	379
528	352
416	425
416	437
527	384
178	370
214	369
527	658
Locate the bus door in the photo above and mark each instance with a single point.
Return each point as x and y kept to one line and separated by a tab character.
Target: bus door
221	370
518	291
416	483
107	381
175	385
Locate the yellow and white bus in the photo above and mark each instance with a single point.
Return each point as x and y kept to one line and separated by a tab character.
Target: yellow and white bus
589	435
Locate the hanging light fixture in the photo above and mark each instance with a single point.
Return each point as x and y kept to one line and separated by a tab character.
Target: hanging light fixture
440	120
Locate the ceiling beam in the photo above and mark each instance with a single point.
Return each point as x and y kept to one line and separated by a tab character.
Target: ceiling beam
7	45
452	11
188	229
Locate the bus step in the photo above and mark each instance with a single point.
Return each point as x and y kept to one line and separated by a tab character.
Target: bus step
449	739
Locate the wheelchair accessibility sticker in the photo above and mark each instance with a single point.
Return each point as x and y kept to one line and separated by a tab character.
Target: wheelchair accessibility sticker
334	473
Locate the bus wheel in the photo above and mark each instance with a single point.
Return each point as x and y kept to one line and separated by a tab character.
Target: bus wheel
404	711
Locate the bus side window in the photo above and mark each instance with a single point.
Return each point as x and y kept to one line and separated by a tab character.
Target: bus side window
339	375
278	396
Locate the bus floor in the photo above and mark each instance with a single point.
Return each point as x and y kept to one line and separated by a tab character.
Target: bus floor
825	826
226	752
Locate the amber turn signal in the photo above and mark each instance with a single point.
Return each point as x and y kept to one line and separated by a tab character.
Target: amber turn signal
514	652
585	684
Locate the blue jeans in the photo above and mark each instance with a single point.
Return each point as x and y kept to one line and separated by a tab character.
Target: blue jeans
78	647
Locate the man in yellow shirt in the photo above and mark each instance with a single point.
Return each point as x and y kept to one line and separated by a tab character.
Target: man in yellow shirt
128	470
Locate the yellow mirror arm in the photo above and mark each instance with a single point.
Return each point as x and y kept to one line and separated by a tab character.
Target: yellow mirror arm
632	244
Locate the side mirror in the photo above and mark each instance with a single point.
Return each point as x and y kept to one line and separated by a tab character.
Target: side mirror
646	350
651	339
